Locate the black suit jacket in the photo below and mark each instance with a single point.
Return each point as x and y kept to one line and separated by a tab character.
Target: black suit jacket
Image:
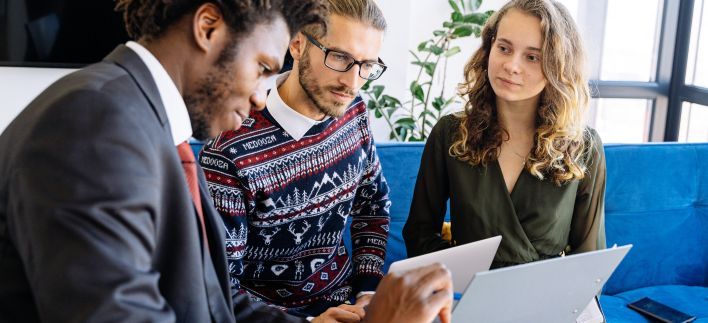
96	220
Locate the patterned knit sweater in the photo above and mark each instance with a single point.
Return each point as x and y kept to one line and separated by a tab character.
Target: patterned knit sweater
285	204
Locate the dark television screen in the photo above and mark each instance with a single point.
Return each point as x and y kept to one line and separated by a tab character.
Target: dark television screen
58	33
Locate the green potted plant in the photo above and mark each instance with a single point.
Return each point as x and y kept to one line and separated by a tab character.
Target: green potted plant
412	120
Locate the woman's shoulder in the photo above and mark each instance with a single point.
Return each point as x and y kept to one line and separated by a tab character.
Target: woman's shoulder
592	133
592	138
594	149
447	126
452	119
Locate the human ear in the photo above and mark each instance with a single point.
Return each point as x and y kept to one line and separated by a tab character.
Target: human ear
208	27
297	46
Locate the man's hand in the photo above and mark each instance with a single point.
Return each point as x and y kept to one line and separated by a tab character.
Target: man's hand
363	300
341	314
415	296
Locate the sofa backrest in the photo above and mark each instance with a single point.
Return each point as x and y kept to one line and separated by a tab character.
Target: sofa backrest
656	199
400	163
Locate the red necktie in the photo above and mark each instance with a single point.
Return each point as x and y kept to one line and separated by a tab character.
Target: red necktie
189	165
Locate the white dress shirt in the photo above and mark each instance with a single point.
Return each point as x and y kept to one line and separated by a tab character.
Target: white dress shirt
175	108
294	123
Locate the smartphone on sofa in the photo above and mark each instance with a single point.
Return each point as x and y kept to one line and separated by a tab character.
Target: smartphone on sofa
659	311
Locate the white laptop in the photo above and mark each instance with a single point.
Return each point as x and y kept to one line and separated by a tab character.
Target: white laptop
551	291
463	261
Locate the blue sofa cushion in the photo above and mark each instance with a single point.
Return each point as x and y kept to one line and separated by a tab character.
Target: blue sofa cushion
653	177
657	199
399	162
668	248
691	300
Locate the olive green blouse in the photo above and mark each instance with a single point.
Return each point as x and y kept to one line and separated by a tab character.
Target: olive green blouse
537	220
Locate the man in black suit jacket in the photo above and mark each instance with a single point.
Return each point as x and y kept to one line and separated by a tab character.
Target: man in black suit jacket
97	222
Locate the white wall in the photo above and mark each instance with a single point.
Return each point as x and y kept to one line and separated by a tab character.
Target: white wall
19	85
409	23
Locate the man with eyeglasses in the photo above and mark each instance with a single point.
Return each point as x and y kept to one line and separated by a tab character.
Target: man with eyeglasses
289	179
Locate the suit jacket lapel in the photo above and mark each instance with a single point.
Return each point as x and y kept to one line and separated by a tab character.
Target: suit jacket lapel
217	252
216	276
131	62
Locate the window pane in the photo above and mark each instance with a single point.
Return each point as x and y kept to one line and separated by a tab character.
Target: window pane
630	46
697	69
621	120
694	123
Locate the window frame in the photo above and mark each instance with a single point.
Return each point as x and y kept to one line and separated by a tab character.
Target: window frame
669	90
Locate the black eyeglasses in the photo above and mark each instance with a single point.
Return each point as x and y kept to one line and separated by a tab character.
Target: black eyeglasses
342	62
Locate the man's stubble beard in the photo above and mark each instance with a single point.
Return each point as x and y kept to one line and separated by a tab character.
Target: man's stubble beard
316	94
210	94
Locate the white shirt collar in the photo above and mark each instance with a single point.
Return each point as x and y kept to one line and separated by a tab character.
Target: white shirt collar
175	108
294	123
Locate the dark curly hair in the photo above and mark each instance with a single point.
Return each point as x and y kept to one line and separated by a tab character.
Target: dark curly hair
148	19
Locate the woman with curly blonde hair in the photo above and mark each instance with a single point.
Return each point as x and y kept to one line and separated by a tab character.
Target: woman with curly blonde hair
519	160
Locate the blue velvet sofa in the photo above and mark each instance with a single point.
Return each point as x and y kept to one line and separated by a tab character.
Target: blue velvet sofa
656	199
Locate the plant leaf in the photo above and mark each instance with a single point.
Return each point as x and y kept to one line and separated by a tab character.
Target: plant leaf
474	4
377	113
438	103
422	45
428	67
452	51
406	122
477	31
378	89
456	16
436	50
391	101
454	5
463	31
404	134
475	18
417	91
390	111
427	113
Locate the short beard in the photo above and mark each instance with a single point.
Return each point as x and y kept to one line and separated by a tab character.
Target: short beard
199	117
208	99
315	93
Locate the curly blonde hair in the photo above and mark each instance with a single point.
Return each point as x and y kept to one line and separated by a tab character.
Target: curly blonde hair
561	140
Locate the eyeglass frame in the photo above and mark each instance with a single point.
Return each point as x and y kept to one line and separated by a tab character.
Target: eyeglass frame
354	61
